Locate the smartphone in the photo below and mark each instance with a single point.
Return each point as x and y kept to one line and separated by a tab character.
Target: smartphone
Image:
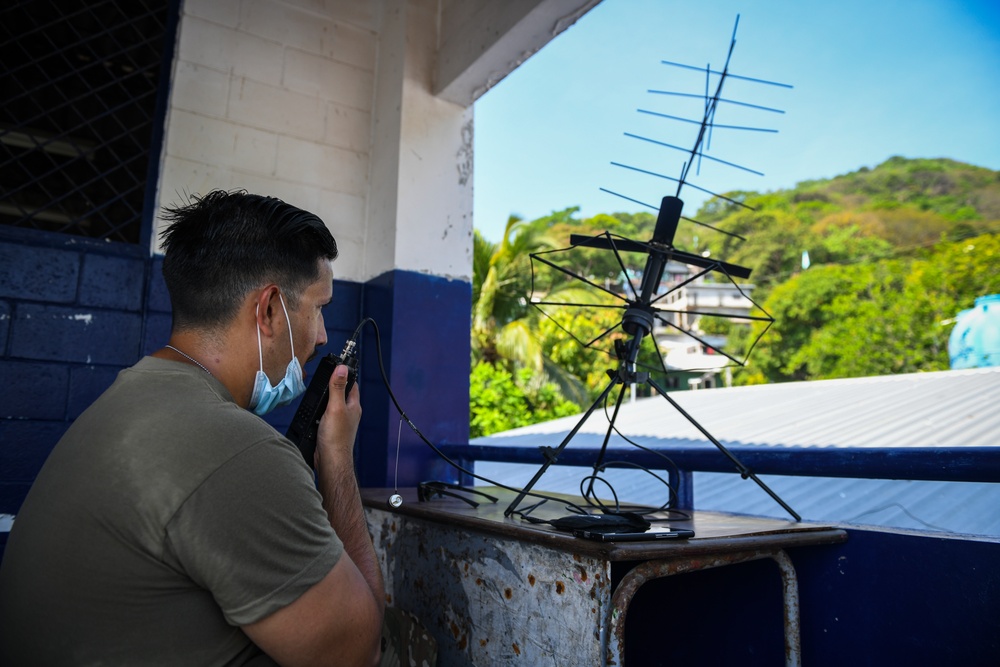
305	423
654	533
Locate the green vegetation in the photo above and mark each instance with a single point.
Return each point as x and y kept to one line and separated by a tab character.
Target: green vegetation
525	366
498	401
877	318
895	253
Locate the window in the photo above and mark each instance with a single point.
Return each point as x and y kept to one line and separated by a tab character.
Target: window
81	82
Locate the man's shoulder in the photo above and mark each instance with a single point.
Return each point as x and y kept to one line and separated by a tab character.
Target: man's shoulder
170	421
171	397
160	381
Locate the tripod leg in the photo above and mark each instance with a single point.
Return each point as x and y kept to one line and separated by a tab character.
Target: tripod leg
607	436
743	470
550	458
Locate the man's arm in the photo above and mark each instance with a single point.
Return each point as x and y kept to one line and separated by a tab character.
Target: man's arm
339	486
338	620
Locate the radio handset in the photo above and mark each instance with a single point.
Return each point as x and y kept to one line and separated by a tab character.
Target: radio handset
305	424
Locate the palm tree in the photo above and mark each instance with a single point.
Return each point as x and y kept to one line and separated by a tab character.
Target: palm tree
504	324
500	293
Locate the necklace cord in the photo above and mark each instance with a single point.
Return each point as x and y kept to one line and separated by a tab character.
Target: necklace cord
189	358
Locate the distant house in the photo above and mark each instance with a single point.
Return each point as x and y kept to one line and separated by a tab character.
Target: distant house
691	301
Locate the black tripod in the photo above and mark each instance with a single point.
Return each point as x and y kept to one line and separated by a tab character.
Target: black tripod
638	322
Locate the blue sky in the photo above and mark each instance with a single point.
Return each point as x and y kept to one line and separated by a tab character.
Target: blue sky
872	79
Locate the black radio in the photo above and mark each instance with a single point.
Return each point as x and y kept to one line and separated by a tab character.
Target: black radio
305	424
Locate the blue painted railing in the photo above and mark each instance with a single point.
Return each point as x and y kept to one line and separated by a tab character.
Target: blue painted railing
944	464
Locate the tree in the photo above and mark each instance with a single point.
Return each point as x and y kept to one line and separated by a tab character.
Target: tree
504	327
501	288
896	252
497	402
564	329
596	265
536	369
885	317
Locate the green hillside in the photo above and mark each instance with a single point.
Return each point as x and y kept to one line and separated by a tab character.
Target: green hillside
900	208
894	254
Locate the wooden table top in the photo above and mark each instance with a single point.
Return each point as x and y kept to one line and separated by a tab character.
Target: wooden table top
715	532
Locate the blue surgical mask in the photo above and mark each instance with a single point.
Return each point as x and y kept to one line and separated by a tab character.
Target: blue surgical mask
265	397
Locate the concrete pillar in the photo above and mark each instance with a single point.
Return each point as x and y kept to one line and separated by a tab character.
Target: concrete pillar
418	253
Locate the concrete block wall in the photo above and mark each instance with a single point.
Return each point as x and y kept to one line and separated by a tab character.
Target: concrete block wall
276	97
71	317
73	314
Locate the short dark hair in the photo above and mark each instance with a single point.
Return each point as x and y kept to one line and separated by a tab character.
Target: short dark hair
224	245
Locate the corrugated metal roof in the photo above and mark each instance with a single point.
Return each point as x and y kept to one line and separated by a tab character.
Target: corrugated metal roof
940	409
946	408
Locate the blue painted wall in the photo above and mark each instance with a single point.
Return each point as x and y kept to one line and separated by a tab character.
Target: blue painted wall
881	598
900	598
424	324
71	316
73	313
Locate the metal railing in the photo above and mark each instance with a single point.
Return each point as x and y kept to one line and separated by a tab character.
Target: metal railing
944	464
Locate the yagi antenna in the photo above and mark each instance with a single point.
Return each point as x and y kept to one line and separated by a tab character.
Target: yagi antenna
707	125
642	308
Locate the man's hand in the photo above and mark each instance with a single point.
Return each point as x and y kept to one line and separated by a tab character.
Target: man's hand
339	425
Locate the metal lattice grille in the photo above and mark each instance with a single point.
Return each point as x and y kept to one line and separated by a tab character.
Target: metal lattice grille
79	86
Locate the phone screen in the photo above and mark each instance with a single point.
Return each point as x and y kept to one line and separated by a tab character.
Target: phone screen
654	533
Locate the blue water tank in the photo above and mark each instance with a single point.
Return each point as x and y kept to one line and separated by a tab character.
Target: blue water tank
975	340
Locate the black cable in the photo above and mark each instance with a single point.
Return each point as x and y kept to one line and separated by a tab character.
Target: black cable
672	496
385	380
665	507
624	437
524	513
590	492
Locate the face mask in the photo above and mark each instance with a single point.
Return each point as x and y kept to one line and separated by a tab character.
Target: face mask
265	397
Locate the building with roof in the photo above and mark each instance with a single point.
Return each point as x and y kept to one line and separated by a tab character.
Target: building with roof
689	299
886	416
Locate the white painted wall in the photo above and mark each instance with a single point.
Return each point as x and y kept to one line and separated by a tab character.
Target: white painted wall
421	214
276	98
329	105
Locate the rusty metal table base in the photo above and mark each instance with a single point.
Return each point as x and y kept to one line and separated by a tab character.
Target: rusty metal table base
495	590
656	569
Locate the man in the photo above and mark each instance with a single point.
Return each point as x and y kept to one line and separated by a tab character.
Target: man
171	525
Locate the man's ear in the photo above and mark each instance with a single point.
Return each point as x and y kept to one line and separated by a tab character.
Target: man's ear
266	306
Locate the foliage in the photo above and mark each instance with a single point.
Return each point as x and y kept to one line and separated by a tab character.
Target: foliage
542	362
877	318
501	328
599	266
896	251
504	325
591	325
497	402
897	209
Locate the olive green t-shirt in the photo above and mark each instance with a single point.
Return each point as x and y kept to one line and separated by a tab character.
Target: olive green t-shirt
164	519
